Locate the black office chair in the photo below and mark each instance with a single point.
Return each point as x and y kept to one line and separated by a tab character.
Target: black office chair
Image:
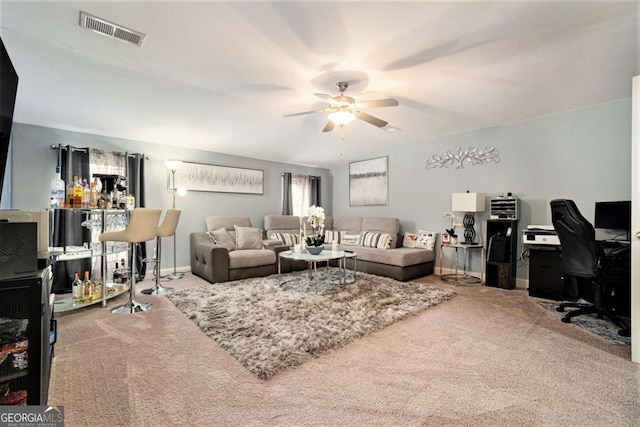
582	258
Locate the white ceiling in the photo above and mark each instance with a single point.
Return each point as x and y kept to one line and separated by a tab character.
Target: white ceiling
219	76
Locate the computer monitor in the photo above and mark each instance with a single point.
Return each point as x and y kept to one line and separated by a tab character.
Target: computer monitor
614	216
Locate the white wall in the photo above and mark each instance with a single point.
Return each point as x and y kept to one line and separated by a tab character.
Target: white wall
583	155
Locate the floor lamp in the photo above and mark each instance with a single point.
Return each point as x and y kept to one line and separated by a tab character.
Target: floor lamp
173	166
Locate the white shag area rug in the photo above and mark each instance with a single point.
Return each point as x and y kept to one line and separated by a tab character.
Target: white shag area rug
273	323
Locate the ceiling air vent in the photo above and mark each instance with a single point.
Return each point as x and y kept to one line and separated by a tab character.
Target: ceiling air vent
110	29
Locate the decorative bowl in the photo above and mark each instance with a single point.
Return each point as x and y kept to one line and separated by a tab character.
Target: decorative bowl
315	250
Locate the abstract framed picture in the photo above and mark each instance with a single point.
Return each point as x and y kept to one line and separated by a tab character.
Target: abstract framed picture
368	182
221	179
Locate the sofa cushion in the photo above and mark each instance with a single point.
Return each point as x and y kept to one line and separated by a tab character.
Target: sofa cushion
248	238
410	240
223	238
352	224
281	222
426	239
287	239
251	258
374	239
401	257
331	235
350	239
228	222
383	225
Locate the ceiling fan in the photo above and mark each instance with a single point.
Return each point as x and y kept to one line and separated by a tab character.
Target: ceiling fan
343	109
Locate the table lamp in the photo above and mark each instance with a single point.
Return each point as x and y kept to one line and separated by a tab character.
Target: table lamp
468	203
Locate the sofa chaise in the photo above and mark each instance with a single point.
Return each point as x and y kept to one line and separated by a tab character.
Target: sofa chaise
397	262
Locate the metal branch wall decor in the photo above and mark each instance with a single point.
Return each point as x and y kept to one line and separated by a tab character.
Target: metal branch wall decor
474	156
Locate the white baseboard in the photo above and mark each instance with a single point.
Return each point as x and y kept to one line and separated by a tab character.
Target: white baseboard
166	271
521	283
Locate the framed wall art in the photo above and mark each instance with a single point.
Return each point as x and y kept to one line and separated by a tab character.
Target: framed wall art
368	182
222	179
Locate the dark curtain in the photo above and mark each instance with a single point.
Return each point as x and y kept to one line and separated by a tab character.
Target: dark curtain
73	161
66	229
314	194
135	182
287	204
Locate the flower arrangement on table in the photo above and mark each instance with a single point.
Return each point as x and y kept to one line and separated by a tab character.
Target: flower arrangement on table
452	231
316	219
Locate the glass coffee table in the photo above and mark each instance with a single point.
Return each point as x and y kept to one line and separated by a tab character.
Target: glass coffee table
324	256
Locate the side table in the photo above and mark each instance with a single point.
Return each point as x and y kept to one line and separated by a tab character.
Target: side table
464	278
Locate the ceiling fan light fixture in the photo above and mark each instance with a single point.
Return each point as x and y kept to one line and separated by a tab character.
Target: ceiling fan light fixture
342	118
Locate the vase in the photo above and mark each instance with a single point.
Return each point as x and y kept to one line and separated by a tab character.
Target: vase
315	250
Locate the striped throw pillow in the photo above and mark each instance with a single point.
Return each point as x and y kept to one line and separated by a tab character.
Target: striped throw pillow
331	236
372	239
287	239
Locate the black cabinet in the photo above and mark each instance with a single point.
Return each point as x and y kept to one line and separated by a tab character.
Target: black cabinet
27	335
546	277
502	247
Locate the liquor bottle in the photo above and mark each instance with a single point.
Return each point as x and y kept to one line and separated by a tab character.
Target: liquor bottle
77	193
86	194
70	193
124	274
86	288
96	290
76	286
57	190
93	197
116	276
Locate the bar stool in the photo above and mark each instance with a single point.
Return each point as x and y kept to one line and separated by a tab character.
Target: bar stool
166	229
142	227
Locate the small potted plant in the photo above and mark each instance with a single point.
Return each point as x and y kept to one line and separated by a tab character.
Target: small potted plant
315	241
452	231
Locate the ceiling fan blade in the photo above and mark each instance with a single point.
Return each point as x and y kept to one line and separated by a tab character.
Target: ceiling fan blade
327	98
305	112
389	102
370	119
329	126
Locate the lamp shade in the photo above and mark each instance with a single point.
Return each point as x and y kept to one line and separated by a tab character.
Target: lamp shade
467	202
341	117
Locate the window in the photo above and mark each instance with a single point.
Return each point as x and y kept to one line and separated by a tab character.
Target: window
303	191
300	194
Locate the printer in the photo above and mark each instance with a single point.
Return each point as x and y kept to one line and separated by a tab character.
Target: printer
540	235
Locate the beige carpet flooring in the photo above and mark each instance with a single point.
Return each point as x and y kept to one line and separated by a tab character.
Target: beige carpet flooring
488	357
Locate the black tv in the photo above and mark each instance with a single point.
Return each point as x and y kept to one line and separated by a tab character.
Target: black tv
8	91
613	216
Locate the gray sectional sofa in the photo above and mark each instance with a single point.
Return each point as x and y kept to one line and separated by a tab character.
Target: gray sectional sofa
396	262
218	260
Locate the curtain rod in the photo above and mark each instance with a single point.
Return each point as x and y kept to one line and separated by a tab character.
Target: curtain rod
84	150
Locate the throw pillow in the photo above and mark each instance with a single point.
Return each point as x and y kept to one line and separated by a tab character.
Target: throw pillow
287	239
349	239
410	240
373	239
248	238
331	236
426	239
223	238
